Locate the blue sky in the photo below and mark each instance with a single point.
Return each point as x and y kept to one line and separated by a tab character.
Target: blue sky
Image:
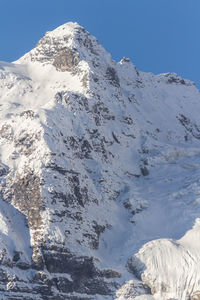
158	35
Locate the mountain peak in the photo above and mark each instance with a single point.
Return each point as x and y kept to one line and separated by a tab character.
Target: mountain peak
69	28
68	32
96	160
65	47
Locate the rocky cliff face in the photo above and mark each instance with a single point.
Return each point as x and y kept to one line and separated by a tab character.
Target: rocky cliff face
96	159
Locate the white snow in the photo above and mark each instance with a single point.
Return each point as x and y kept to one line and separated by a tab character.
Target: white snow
141	124
171	267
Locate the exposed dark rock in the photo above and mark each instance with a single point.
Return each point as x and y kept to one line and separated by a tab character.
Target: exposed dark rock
144	171
191	127
27	197
128	120
112	76
98	230
4	170
125	59
63	284
16	256
66	59
85	80
135	266
110	274
115	138
100	111
176	80
86	149
25	143
84	40
53	166
29	114
6	132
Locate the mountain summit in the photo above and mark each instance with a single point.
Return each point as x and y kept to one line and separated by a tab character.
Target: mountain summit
99	176
66	46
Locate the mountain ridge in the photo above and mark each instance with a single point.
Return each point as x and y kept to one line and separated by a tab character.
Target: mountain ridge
96	160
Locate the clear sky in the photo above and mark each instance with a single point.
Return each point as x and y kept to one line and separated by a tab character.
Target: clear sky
158	35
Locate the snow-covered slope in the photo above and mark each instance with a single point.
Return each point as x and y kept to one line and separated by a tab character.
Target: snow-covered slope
171	268
96	160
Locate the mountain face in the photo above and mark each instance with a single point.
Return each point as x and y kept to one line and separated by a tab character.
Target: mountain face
99	176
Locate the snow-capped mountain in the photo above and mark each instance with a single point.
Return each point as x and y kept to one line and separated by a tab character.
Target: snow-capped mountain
99	176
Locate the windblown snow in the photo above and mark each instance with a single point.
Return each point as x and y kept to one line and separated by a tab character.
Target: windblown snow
99	176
